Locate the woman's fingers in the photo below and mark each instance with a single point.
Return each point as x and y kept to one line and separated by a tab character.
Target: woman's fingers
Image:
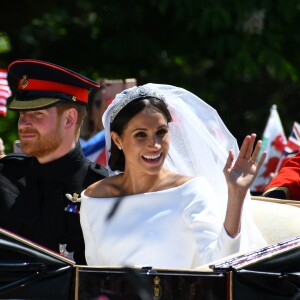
247	146
256	151
229	160
261	160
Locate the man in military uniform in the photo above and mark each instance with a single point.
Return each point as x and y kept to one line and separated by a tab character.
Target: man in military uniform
286	184
40	190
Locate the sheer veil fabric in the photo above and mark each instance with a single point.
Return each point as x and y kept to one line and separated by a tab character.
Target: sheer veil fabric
200	143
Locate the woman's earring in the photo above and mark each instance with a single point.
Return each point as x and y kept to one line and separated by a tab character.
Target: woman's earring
120	148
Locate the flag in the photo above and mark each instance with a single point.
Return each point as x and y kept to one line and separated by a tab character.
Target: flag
292	146
94	148
5	91
273	141
293	143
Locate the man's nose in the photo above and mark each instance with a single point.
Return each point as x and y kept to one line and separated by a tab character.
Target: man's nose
24	120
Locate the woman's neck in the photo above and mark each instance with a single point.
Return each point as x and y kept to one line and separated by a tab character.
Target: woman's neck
144	183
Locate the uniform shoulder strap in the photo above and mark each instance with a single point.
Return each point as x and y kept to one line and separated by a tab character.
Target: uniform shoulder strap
97	168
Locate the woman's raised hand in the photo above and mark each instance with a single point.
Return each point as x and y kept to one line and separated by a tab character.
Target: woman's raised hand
241	174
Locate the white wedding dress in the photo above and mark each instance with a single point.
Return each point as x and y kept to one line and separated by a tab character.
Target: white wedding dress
180	227
175	228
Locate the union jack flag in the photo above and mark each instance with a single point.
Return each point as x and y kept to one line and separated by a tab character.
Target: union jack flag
5	91
292	146
95	149
293	142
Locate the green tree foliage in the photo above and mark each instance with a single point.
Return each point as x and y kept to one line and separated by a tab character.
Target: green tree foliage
239	56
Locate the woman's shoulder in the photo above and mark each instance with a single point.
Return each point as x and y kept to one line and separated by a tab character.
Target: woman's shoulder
197	186
182	180
187	185
172	180
105	188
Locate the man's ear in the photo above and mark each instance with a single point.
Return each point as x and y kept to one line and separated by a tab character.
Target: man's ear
71	117
116	139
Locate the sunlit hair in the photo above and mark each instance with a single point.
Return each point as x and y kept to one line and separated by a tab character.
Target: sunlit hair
81	110
117	158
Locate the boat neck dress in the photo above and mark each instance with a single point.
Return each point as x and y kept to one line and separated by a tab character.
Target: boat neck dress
174	228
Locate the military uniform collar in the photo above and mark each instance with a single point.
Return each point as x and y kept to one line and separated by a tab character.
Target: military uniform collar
61	167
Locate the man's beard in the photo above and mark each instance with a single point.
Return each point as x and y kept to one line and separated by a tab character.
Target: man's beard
43	145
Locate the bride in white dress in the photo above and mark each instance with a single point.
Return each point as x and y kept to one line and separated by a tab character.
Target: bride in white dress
178	186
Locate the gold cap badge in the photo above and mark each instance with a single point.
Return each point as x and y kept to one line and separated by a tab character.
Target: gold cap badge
24	82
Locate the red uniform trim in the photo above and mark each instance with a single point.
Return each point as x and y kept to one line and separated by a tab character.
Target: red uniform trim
44	85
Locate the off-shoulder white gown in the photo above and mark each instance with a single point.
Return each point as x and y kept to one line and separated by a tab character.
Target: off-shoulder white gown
173	228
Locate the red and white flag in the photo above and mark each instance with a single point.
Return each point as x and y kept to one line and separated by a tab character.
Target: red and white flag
5	91
274	142
292	146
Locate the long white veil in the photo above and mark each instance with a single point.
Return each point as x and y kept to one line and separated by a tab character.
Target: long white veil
200	143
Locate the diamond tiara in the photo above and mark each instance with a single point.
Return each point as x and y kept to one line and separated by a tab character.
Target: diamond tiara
127	96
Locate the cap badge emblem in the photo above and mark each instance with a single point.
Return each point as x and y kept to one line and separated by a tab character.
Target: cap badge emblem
24	82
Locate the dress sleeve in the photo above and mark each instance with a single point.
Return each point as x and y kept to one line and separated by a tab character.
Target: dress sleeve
205	221
90	246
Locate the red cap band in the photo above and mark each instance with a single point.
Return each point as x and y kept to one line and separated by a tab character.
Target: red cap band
44	85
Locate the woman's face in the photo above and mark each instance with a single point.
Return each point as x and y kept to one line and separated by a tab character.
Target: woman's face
145	141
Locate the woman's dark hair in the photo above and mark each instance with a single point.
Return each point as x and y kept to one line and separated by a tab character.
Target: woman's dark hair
117	158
